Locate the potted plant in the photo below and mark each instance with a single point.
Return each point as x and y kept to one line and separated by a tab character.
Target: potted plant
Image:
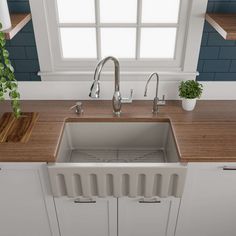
8	82
190	90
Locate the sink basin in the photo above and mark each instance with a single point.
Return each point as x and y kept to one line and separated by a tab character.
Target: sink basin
118	142
117	159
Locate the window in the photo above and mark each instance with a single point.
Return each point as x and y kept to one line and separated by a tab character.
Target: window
135	31
146	35
128	29
123	28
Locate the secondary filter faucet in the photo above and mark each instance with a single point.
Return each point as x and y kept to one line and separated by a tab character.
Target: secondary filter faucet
156	102
95	88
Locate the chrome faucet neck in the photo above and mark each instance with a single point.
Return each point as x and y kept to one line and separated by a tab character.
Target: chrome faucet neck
156	102
100	66
95	89
148	81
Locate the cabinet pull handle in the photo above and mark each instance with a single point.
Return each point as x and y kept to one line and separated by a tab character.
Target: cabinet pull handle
229	168
149	201
80	200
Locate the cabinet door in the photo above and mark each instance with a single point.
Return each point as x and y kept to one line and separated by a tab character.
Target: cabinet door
149	217
23	209
208	206
87	217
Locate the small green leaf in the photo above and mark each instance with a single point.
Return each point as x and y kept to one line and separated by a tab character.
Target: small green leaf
5	53
3	80
1	66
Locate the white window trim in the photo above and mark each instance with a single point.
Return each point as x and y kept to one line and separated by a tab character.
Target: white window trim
46	49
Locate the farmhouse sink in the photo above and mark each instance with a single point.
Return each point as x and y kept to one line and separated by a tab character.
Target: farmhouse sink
117	159
119	142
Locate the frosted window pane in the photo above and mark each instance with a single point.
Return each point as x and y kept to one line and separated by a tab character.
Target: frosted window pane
78	42
160	11
118	11
118	42
157	42
76	11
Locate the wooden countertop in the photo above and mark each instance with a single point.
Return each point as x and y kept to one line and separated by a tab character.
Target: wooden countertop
206	134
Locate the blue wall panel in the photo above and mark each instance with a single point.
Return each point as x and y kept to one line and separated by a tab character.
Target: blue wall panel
217	59
22	47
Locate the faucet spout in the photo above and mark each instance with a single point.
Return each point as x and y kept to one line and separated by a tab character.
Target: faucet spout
149	79
95	88
100	66
156	102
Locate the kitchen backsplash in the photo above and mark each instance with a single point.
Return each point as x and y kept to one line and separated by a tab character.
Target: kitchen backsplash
22	47
217	59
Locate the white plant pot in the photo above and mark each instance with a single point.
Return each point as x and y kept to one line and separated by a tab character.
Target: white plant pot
4	15
189	104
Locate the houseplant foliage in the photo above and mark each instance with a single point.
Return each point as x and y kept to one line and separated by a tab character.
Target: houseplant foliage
190	90
8	82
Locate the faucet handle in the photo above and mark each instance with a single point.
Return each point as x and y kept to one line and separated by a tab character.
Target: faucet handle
162	101
78	108
129	99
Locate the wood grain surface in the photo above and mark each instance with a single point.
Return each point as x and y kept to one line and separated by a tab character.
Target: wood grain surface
224	24
206	134
17	130
18	21
6	122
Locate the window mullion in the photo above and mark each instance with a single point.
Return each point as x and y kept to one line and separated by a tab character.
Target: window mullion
98	29
138	33
118	25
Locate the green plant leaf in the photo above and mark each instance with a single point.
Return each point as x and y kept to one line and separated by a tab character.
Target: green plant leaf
1	67
5	53
190	89
8	83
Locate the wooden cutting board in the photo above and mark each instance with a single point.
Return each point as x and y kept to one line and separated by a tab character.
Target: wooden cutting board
17	130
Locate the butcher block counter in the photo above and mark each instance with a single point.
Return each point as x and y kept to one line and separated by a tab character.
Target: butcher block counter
207	134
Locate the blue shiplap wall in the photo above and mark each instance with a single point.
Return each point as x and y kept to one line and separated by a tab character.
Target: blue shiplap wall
217	59
22	47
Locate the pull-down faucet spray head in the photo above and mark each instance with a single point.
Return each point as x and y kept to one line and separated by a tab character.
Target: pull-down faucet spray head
95	89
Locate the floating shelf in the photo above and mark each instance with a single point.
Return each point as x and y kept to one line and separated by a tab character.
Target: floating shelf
18	21
224	24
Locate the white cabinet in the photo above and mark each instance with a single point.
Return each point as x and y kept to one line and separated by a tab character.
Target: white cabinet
87	217
98	216
26	208
208	206
149	217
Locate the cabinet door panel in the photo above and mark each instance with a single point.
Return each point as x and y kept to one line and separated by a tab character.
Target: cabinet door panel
22	204
138	217
79	217
208	207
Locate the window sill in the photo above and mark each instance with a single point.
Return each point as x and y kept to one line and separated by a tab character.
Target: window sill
128	75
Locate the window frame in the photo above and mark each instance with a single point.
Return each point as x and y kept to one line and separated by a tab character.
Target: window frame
50	56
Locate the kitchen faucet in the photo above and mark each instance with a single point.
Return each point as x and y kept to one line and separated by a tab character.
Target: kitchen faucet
95	88
156	102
